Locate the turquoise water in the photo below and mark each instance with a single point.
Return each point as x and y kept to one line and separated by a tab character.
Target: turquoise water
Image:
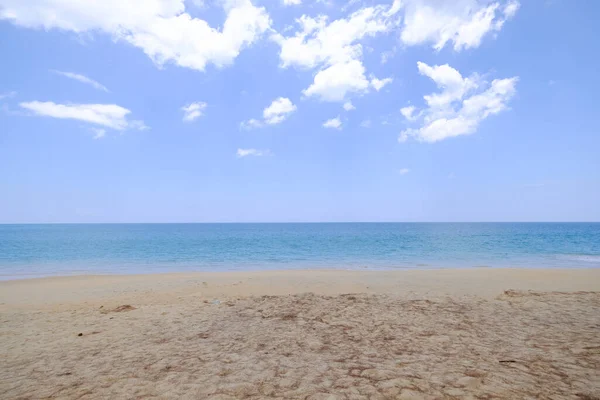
45	250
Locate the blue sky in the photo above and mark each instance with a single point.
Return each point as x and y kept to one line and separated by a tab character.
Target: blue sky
298	110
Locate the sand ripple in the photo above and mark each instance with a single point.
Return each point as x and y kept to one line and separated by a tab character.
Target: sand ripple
520	345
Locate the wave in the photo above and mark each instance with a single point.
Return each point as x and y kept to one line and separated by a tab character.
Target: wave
581	257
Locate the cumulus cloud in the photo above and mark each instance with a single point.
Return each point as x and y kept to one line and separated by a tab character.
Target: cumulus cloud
337	81
292	2
408	112
193	111
334	123
252	152
274	114
348	106
453	85
82	79
379	84
161	28
335	49
461	23
278	111
459	107
321	42
107	115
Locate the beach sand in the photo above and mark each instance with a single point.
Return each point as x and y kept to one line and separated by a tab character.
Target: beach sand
433	334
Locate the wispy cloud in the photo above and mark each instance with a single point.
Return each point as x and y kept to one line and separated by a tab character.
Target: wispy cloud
404	171
251	124
99	133
7	95
106	115
387	55
82	79
252	152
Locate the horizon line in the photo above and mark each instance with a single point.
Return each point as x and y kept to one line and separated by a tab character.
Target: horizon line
299	222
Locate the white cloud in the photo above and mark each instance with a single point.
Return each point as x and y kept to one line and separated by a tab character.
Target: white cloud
82	79
161	28
408	112
453	85
335	82
321	43
334	123
138	125
366	123
107	115
274	114
511	8
335	49
278	111
396	6
387	55
251	124
404	171
378	84
7	95
252	152
463	23
193	111
348	106
460	106
292	2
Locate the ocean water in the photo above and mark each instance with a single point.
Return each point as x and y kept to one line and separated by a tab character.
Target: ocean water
65	249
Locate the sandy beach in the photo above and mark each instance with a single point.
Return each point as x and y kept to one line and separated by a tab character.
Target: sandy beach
432	334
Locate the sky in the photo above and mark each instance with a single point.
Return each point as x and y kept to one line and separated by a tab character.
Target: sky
299	110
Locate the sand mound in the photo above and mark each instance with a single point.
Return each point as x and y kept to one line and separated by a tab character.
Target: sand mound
355	346
123	308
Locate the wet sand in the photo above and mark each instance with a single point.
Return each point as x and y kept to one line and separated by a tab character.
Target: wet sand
472	333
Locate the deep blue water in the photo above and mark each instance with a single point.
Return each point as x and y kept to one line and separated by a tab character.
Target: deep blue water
64	249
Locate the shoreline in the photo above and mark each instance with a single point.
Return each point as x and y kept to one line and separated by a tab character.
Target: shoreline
308	268
149	288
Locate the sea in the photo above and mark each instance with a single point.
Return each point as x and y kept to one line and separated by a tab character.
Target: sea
30	250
